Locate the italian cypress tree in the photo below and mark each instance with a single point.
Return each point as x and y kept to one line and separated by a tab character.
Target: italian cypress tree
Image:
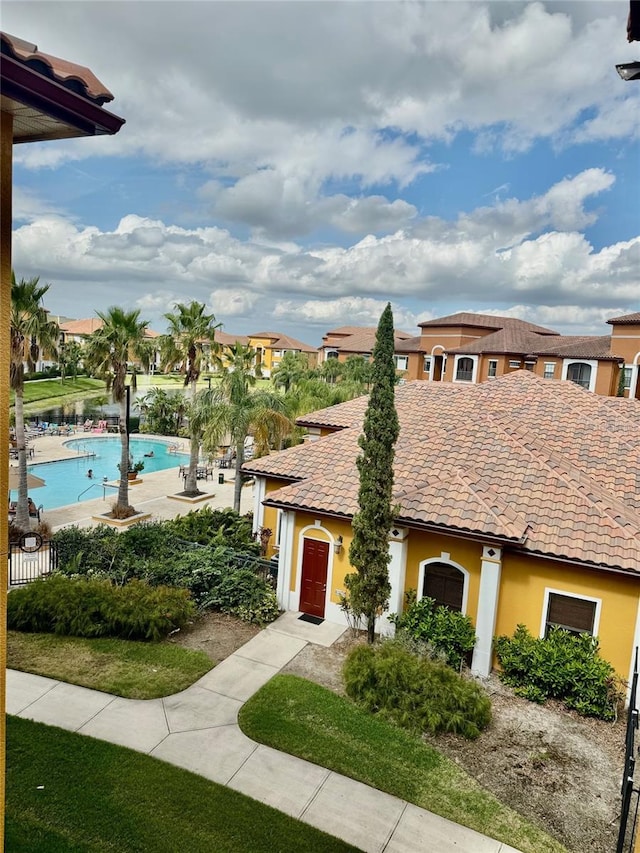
369	586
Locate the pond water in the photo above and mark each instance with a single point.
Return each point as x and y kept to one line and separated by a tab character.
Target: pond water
67	481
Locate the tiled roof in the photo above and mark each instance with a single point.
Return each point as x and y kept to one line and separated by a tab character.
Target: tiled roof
280	341
364	340
513	339
577	346
409	345
626	319
92	324
544	466
484	321
78	78
227	340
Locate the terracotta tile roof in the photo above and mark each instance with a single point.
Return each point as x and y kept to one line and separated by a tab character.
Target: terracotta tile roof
513	340
542	466
626	319
577	346
90	325
81	327
280	341
485	321
78	78
409	345
228	340
363	341
350	330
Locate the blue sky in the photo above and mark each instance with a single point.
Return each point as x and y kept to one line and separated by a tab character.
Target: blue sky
295	165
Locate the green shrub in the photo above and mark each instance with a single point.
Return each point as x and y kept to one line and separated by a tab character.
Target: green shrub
216	527
416	693
562	666
445	630
94	607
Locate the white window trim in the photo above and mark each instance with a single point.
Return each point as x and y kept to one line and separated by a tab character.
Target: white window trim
444	558
567	362
553	372
405	358
545	607
489	363
474	374
425	359
276	542
515	364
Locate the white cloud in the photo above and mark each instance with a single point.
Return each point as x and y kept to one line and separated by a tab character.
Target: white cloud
417	267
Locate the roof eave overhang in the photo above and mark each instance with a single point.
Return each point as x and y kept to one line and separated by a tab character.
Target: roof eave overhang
32	89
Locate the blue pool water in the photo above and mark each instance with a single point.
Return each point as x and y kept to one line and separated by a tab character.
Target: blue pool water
67	481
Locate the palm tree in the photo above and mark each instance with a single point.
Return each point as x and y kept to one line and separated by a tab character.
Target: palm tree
108	352
292	369
191	332
32	334
233	409
330	370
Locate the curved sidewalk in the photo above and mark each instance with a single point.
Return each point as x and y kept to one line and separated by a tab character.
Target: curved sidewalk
197	729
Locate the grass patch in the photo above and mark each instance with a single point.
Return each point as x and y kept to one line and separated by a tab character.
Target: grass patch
135	670
67	792
304	719
45	389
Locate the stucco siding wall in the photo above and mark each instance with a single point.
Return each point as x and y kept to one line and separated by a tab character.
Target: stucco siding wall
522	595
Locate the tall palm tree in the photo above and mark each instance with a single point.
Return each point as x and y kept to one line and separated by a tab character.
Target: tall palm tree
32	335
109	349
189	342
293	367
234	409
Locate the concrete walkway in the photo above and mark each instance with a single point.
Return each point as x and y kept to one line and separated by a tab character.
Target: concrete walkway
197	729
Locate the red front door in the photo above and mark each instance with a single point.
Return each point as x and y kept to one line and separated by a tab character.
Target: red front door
315	562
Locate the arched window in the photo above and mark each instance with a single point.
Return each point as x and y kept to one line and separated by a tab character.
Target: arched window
464	370
580	373
445	584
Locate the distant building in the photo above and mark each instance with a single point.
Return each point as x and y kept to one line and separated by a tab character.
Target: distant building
471	348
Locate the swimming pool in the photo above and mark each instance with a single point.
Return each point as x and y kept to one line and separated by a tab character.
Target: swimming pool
67	481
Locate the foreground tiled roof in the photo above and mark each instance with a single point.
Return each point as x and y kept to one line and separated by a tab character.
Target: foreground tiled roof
626	319
78	78
485	321
541	466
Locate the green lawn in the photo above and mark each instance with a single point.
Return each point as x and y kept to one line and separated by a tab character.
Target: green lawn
68	793
304	719
135	670
46	389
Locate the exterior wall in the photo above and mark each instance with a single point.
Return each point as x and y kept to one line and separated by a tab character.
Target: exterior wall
265	361
311	526
625	342
522	596
465	553
450	337
270	516
6	154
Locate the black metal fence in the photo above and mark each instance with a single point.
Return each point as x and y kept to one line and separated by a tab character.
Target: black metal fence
630	792
31	558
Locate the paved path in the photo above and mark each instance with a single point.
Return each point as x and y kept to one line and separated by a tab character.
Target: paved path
198	730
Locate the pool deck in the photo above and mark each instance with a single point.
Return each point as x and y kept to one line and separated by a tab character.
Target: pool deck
150	495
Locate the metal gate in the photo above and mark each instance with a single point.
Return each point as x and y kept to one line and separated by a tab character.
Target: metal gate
31	558
630	794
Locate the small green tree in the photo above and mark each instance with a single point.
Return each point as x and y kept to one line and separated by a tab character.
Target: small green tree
369	586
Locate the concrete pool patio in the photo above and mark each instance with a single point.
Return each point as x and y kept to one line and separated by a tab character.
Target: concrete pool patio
148	496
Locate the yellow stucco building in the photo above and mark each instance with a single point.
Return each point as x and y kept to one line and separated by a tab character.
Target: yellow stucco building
517	503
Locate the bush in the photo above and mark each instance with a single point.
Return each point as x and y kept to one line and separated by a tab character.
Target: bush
561	666
216	527
95	607
447	631
416	693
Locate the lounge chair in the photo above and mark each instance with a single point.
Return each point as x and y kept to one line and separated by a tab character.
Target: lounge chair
88	425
